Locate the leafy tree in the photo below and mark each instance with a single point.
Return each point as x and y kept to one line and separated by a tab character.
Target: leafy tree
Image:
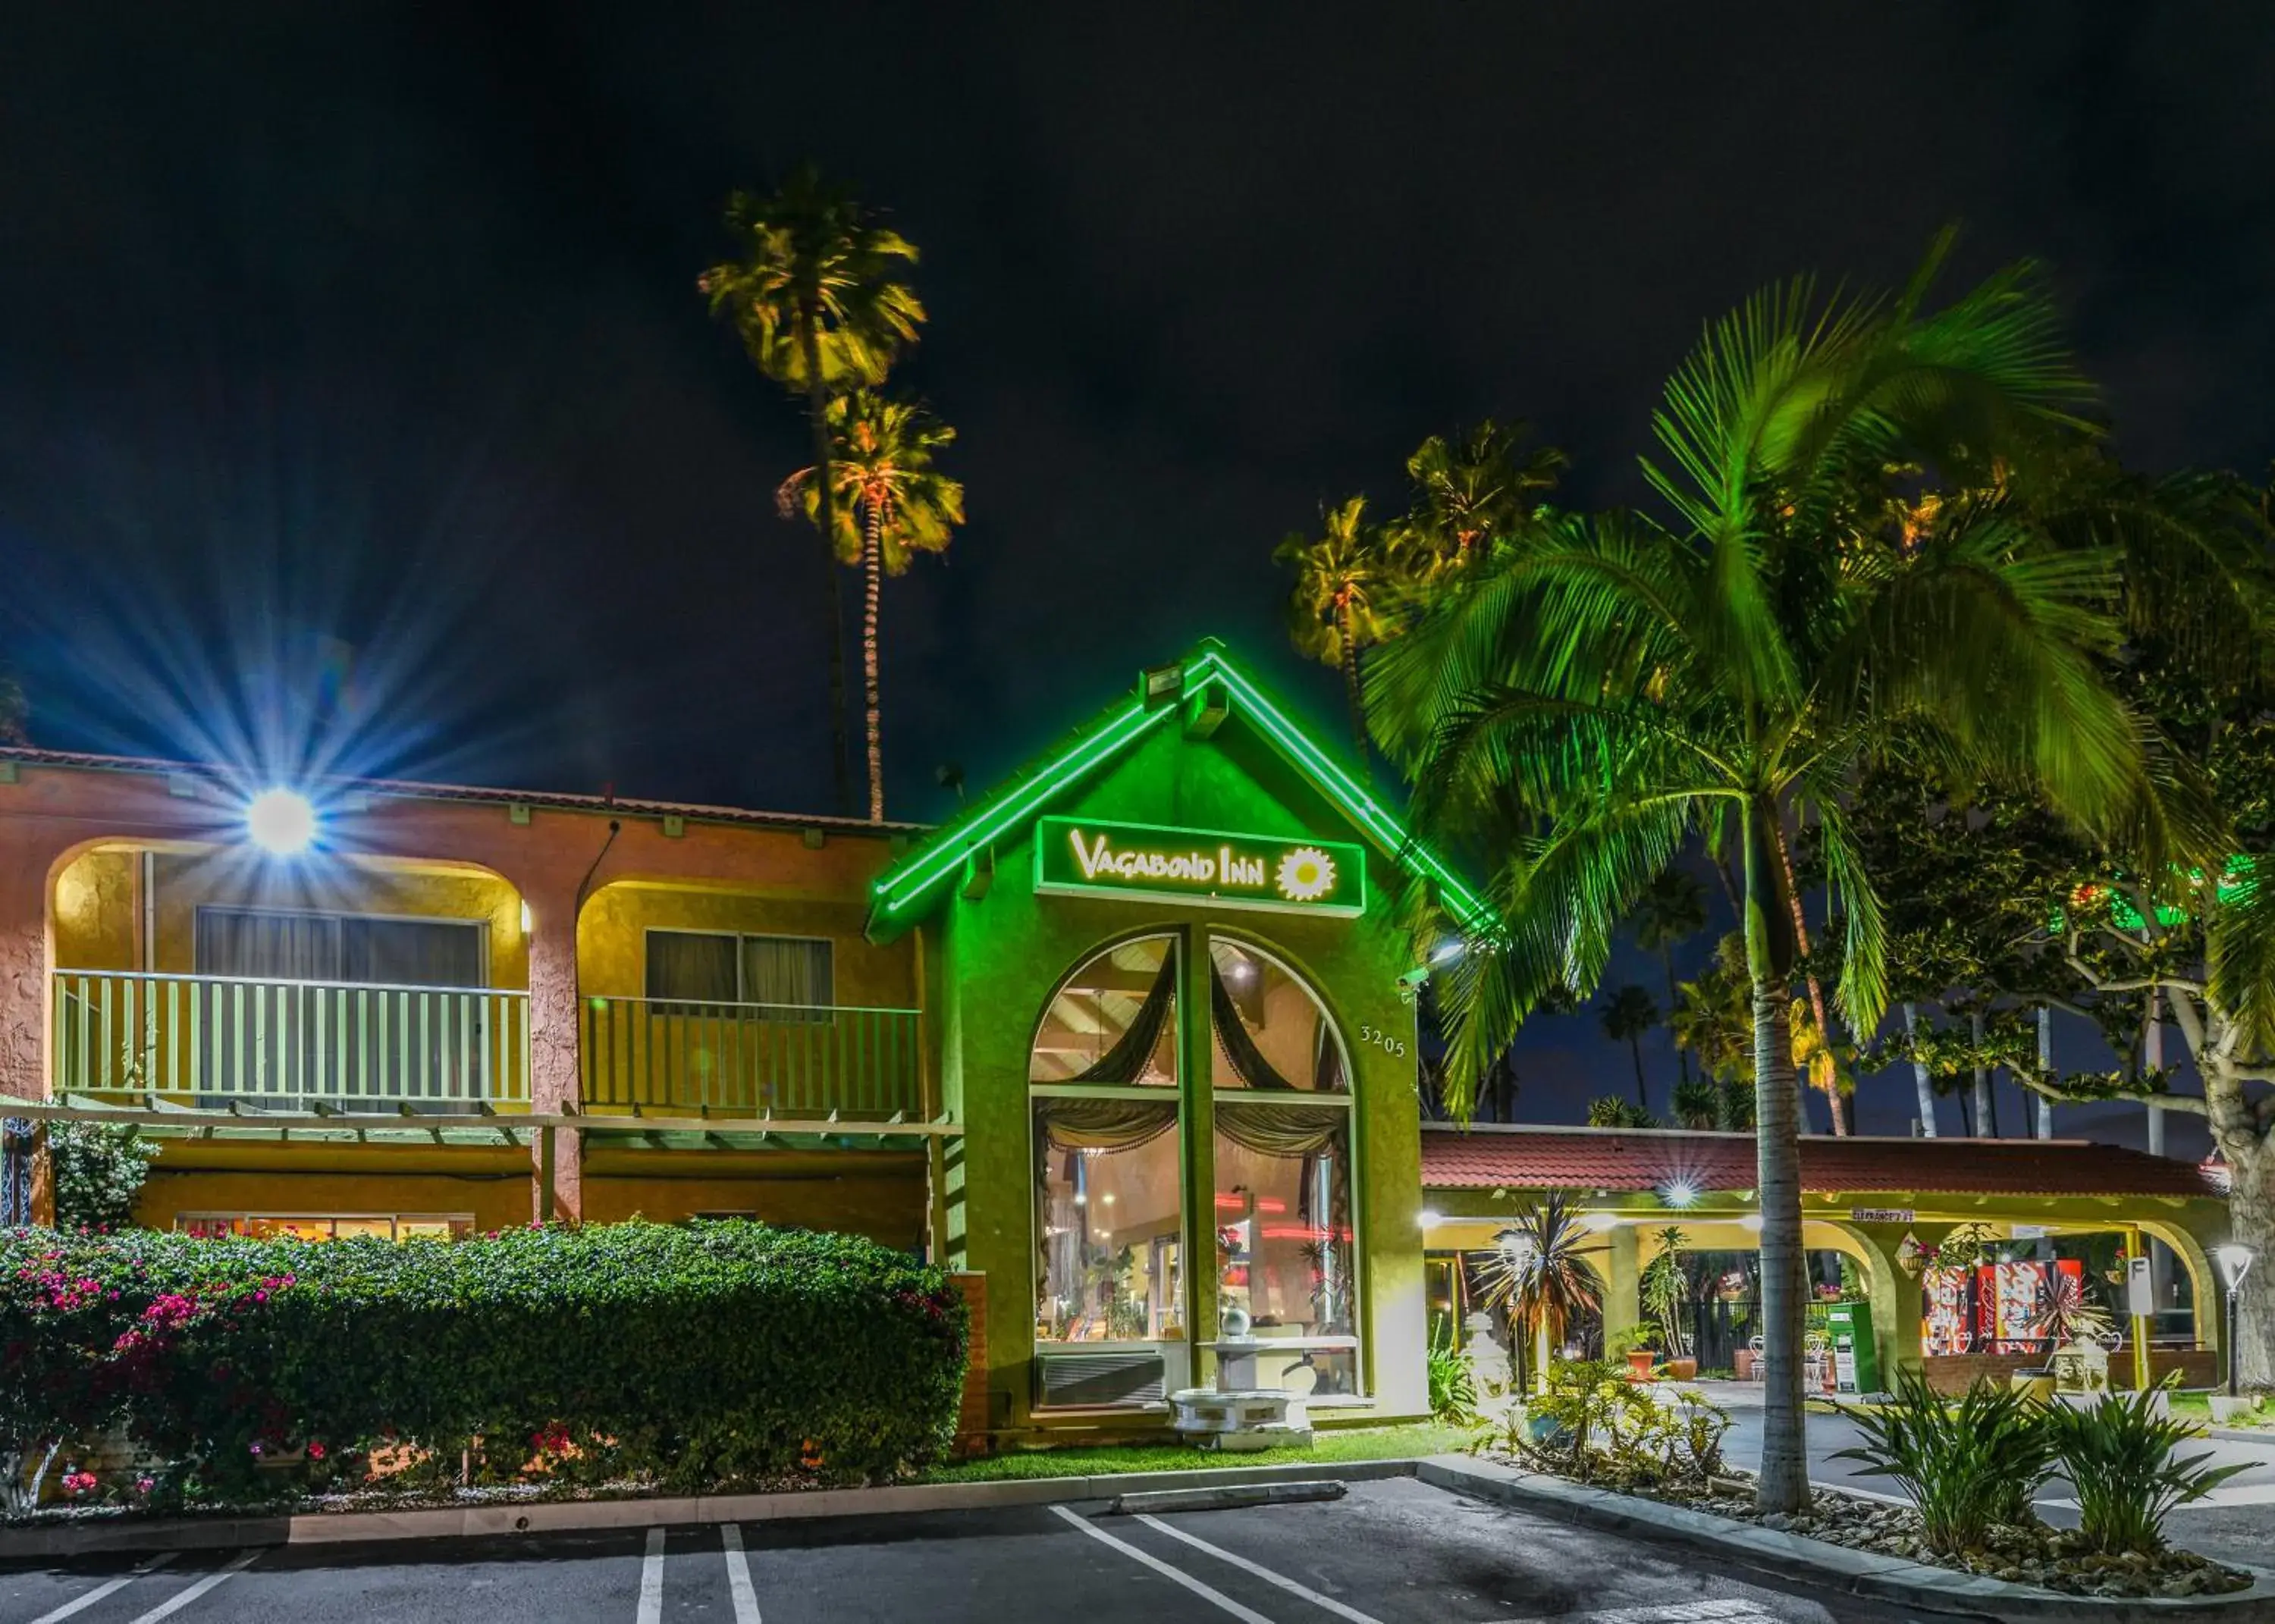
814	293
1347	584
1710	1104
892	504
1627	1015
1580	706
1672	912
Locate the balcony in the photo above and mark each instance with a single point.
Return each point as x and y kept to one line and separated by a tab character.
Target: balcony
231	1042
806	1063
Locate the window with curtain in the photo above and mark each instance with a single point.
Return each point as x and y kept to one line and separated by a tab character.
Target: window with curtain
1109	1211
1114	1020
406	1043
793	978
1272	1030
260	944
1286	1254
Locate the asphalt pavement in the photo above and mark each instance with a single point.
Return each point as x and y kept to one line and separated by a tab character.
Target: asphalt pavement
1394	1552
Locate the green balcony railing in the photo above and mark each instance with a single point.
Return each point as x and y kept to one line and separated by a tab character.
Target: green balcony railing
218	1041
791	1060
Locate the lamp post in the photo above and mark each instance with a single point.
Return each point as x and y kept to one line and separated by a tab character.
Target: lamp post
2235	1260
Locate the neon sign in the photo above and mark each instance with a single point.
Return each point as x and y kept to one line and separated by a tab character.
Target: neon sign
1080	855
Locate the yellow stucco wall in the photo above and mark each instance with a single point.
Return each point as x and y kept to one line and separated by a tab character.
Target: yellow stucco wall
96	911
612	939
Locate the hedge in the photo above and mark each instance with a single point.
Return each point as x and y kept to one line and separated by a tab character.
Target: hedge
697	1356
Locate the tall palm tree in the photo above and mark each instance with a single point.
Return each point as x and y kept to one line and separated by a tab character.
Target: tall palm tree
1617	686
1475	486
1348	586
892	504
1541	1275
1672	912
1627	1015
815	295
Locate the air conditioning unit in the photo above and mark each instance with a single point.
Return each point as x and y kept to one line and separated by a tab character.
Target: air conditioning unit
1084	1380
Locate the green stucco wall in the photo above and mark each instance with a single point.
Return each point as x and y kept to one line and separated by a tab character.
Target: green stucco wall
999	956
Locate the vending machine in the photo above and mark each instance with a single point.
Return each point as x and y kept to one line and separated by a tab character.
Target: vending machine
1855	1357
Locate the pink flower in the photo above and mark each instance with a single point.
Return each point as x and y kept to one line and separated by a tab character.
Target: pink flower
315	1451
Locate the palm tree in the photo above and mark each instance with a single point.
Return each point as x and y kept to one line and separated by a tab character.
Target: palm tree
814	294
1672	912
880	464
1540	1274
1348	583
1469	489
1627	1015
1615	687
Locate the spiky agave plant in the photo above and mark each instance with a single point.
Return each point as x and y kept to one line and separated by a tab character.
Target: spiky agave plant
1540	1274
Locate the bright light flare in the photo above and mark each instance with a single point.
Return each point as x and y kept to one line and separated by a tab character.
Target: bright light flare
1680	1192
282	822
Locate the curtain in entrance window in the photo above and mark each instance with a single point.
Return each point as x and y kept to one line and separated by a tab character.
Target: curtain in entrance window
1248	1061
687	967
1126	1061
789	972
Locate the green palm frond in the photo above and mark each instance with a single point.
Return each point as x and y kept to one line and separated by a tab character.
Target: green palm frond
881	452
808	251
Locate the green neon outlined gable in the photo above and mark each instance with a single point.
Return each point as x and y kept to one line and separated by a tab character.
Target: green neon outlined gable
916	881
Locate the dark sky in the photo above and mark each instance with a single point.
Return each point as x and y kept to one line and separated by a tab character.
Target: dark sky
378	323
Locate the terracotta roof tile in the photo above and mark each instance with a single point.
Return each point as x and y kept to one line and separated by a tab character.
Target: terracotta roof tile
1527	1157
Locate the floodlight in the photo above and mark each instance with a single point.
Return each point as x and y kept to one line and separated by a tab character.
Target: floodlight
281	822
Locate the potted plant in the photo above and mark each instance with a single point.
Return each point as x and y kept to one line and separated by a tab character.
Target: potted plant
1666	1300
1638	1345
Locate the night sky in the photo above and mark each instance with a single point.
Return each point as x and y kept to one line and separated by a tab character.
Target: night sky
377	326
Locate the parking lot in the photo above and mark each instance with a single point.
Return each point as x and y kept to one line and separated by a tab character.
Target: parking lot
1392	1553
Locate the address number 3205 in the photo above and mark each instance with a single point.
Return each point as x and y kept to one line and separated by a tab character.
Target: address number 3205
1394	1047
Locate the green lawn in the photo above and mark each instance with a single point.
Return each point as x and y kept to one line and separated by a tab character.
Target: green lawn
1370	1444
2197	1407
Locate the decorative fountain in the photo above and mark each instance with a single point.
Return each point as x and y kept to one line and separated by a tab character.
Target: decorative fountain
1236	1416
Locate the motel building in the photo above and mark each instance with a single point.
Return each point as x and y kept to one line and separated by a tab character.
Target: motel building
1129	1043
1943	1254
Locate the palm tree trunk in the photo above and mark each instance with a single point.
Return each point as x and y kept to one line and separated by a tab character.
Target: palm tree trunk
1982	1077
2152	1055
872	570
1352	693
817	411
1921	1087
1634	1047
2045	1107
1816	990
1770	949
1673	1003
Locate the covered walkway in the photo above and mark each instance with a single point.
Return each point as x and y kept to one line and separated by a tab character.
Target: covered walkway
1958	1245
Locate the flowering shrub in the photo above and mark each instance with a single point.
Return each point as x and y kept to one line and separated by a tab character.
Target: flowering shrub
698	1357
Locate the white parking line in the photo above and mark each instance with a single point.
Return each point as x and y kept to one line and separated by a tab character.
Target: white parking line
1726	1612
1246	1615
81	1604
1289	1585
651	1595
739	1575
180	1599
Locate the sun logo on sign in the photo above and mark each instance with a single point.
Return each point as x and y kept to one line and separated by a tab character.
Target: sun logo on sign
1306	874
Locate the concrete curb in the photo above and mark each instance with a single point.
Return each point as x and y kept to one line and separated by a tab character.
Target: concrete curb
1792	1556
149	1534
2244	1435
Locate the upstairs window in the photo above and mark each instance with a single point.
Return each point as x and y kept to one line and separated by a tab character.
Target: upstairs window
788	978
